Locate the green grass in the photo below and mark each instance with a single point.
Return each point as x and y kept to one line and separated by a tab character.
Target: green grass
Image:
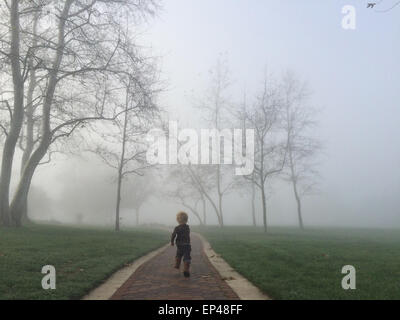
83	258
290	264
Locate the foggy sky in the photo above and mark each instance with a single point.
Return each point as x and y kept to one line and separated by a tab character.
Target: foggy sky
354	77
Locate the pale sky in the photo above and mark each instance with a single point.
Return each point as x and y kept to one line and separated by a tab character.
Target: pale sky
354	76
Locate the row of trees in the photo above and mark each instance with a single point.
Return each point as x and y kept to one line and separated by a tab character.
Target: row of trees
65	65
285	146
71	69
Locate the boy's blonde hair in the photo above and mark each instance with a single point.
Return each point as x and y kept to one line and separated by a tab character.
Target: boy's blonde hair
182	217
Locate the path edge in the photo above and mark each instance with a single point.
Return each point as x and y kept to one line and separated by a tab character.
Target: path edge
243	288
107	289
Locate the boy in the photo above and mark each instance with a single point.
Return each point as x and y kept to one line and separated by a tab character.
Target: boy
182	234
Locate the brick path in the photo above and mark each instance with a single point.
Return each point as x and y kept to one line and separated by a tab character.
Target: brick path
158	280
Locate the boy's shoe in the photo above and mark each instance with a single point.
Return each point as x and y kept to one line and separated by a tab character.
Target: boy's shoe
177	263
186	267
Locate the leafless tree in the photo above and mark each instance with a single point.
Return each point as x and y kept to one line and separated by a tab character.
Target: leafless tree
137	192
139	112
214	107
81	46
187	191
12	44
270	145
298	120
247	184
30	133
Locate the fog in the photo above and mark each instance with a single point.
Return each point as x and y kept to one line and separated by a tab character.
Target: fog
353	77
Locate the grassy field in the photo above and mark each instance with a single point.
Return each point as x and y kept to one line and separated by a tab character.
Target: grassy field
290	264
82	258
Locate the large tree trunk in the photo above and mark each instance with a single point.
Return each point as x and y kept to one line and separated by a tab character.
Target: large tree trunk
17	117
29	143
29	137
21	193
24	212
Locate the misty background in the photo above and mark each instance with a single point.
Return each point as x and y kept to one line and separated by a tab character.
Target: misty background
354	76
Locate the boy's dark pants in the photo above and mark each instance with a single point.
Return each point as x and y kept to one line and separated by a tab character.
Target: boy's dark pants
183	250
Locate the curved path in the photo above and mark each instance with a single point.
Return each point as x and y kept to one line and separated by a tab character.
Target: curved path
156	279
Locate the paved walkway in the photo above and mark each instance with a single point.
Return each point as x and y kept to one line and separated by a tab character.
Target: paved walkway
158	280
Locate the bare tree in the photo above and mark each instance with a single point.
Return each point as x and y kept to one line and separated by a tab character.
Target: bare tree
247	188
139	110
30	137
16	112
270	146
302	148
137	192
81	46
214	107
187	191
247	185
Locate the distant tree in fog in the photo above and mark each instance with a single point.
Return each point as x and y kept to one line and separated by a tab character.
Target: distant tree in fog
137	192
247	184
215	109
270	145
41	204
247	187
71	54
125	147
298	121
184	188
